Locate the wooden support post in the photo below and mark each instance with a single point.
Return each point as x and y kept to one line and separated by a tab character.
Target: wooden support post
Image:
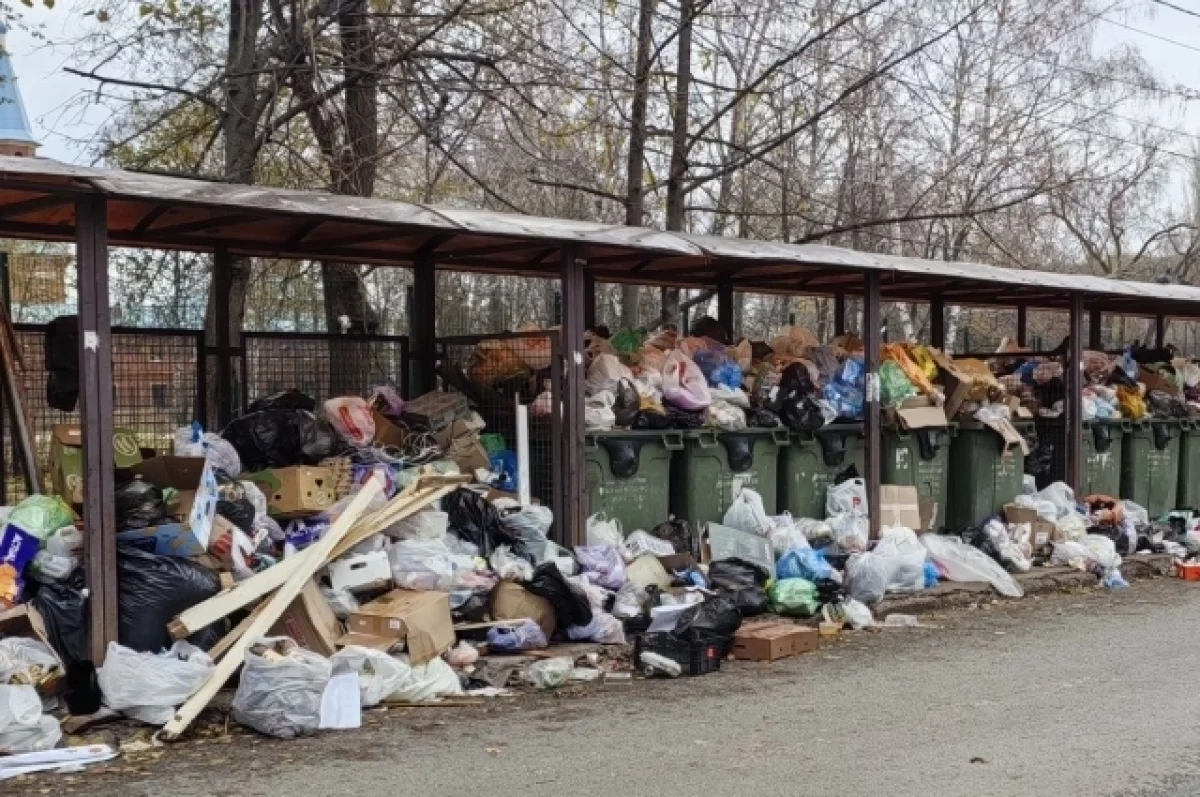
222	282
1160	331
1074	403
937	322
839	313
572	515
422	328
1022	325
872	430
589	299
96	418
725	305
1095	334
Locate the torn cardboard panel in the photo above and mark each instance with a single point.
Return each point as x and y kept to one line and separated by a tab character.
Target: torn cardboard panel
1012	438
900	505
421	619
310	622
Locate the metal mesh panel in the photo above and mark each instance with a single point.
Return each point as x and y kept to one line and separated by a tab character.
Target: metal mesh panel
491	371
154	384
323	366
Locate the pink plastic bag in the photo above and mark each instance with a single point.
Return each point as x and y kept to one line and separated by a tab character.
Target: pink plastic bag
351	418
684	385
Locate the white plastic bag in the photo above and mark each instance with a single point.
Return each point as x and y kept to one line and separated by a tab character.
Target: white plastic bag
604	629
20	707
508	566
351	418
850	531
748	514
848	497
148	687
604	374
786	536
1010	553
435	678
44	734
1135	513
26	661
962	562
379	675
221	453
549	673
1104	550
341	601
735	396
905	557
630	601
1069	553
725	416
1071	527
866	577
684	384
1061	495
640	543
280	694
341	706
421	564
602	531
818	532
598	414
1047	510
428	524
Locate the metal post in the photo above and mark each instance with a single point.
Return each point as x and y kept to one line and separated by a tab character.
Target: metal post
222	284
422	327
725	305
96	418
1074	403
873	340
937	322
572	514
1095	334
1160	330
839	313
1022	325
589	300
6	297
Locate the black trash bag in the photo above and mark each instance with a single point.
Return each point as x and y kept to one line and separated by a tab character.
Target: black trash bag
676	532
850	472
284	400
739	451
796	380
742	581
683	419
829	591
474	519
474	610
1040	463
979	539
624	455
571	606
718	615
628	403
762	418
801	414
1163	405
139	504
61	344
152	590
64	610
232	503
280	439
709	327
650	420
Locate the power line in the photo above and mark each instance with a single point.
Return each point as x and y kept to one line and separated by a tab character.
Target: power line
1149	33
1180	9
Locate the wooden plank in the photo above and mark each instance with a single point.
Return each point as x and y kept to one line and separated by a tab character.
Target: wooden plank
271	612
221	648
262	584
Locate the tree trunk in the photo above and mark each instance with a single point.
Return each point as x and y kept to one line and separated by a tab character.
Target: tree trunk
676	195
635	168
239	128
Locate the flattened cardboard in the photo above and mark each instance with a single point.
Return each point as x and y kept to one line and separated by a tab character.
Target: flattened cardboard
421	619
181	473
295	491
900	505
511	601
723	542
922	418
382	644
774	641
1012	438
1153	381
386	432
310	622
66	458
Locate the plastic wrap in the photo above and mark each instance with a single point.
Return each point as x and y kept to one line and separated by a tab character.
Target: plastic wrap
747	514
379	675
351	418
280	690
149	686
961	562
794	597
603	565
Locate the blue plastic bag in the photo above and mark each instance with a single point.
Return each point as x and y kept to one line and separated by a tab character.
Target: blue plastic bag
845	392
504	464
510	639
803	563
932	576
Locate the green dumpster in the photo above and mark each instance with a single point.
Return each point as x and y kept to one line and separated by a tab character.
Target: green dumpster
714	466
1189	465
919	458
1150	465
628	473
809	465
1103	450
986	472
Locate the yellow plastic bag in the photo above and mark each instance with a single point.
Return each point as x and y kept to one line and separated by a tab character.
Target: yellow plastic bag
897	353
924	360
1131	403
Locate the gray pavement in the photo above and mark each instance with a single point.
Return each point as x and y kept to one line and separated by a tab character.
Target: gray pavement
1078	694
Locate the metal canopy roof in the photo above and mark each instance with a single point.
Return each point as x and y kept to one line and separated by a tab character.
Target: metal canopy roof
147	210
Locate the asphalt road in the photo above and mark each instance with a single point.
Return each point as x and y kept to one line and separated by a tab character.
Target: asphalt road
1083	694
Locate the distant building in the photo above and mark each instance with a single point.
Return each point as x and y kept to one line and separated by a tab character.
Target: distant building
16	135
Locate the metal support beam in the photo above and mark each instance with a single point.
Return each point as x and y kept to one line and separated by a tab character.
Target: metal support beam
572	516
1075	396
222	286
422	328
725	305
1095	334
96	418
1022	325
589	300
873	339
937	322
839	313
1160	331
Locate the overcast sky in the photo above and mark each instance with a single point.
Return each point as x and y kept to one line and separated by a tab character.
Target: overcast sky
49	92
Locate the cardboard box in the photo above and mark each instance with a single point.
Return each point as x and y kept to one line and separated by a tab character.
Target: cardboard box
66	458
180	473
773	641
511	601
366	641
421	619
1043	531
1153	381
361	573
190	537
964	380
722	542
311	622
911	418
900	505
386	432
461	442
295	491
